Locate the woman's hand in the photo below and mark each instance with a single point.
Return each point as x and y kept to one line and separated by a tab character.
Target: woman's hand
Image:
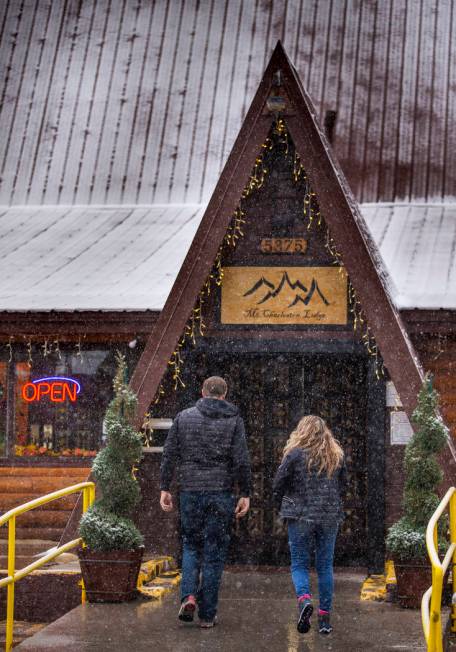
166	501
242	507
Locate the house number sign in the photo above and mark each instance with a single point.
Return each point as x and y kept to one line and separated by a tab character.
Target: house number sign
283	245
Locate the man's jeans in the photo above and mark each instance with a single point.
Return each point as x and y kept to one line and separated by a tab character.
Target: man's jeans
206	518
301	536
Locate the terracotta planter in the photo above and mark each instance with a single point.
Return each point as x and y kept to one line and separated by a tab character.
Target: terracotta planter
110	576
413	579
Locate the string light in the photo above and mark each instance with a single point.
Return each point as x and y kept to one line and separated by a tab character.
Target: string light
9	346
79	349
29	353
299	174
57	348
312	214
330	246
280	129
46	349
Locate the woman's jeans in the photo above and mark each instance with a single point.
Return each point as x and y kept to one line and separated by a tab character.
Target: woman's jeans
206	518
301	536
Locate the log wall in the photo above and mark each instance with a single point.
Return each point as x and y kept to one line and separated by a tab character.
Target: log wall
437	353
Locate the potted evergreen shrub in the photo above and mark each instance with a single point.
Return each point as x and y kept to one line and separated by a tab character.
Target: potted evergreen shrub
111	557
406	539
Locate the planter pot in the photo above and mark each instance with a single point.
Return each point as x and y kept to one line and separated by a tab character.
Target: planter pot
110	576
413	579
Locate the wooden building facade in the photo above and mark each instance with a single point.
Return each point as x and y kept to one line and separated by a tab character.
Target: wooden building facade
145	209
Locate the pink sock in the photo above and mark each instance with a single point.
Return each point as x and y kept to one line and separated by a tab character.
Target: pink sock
305	596
322	612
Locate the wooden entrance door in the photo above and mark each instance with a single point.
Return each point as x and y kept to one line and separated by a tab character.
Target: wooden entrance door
273	391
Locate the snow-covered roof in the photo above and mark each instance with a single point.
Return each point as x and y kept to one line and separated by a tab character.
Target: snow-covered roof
127	257
418	246
92	258
140	102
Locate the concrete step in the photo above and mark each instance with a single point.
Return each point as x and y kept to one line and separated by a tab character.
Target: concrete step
10	500
48	593
22	630
35	485
25	560
48	533
26	551
71	473
43	518
31	546
29	550
21	561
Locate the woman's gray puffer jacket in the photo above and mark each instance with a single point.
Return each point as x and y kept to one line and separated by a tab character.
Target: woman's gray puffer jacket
305	495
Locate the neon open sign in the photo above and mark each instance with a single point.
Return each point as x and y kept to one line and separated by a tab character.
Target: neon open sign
56	388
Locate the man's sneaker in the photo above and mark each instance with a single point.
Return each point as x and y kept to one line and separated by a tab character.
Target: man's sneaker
187	609
305	610
207	624
324	624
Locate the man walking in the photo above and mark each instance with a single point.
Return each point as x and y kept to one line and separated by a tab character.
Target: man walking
208	444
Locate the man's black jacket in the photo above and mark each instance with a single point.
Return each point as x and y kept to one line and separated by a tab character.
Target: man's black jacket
207	442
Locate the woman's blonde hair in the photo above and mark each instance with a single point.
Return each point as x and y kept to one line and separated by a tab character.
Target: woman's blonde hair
323	451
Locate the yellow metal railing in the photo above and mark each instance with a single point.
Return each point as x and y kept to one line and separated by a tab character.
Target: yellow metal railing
431	604
88	489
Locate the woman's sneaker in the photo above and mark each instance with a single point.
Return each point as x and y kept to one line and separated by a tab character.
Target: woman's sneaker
305	610
187	609
324	624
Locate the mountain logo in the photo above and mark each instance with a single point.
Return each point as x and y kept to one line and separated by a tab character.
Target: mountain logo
304	294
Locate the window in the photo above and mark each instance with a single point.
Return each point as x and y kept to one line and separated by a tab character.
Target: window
60	399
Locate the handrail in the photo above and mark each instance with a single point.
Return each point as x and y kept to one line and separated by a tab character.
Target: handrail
431	603
88	494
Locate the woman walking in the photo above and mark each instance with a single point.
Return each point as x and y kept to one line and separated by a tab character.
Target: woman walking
307	489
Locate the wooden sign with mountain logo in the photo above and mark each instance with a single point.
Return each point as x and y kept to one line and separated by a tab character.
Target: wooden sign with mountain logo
277	295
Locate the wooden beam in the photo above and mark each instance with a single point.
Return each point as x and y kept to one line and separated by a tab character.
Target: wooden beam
95	324
375	440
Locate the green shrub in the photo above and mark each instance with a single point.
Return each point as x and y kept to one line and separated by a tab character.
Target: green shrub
106	525
406	539
104	531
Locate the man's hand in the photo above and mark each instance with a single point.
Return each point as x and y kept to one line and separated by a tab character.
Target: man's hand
166	501
242	507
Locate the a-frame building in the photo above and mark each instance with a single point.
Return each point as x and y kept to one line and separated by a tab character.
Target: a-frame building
339	208
290	291
111	155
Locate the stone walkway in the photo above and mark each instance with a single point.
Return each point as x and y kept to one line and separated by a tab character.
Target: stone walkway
256	613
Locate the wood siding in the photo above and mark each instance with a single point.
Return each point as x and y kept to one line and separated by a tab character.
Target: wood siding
438	355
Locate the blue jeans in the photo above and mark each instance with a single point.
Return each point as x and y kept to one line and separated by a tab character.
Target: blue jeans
206	518
301	536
